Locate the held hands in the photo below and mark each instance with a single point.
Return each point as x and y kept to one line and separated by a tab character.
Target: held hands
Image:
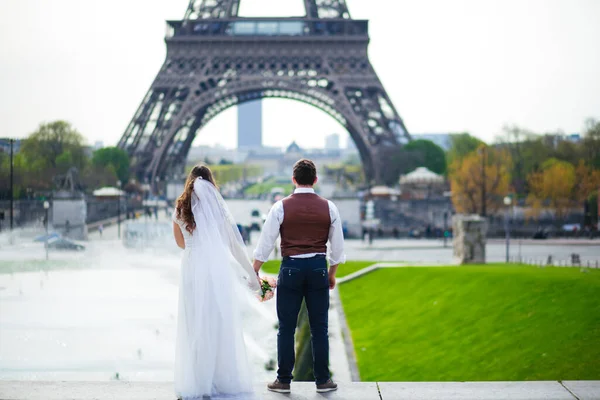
258	279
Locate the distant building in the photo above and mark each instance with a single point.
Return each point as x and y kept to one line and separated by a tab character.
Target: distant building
573	137
5	146
444	140
350	145
250	125
332	142
350	150
98	145
281	163
213	154
554	139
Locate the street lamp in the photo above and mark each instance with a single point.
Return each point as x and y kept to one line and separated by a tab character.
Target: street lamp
156	186
507	203
445	229
447	195
119	210
483	183
46	207
12	182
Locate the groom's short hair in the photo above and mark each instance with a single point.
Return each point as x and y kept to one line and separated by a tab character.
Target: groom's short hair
305	172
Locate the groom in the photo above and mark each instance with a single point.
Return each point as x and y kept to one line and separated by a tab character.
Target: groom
306	222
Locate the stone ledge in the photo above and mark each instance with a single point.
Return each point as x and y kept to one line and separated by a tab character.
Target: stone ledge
116	390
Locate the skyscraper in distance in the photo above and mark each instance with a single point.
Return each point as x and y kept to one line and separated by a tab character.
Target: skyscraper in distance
250	125
332	142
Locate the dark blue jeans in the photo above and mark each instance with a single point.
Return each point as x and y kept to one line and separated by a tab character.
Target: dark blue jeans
303	279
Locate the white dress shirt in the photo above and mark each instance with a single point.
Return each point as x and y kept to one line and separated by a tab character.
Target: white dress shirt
270	232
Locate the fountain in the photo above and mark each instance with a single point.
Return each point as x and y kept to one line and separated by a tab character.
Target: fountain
107	312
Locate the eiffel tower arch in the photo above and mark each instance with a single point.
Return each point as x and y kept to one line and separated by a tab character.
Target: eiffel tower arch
216	59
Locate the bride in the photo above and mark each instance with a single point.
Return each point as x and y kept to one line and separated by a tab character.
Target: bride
210	359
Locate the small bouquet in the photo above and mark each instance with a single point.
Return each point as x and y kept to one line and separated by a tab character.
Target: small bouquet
267	287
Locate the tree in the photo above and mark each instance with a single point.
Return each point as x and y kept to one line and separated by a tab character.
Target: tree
590	144
344	174
482	175
527	151
97	176
553	187
433	156
592	215
234	173
561	187
352	159
587	182
4	175
461	145
586	191
399	161
64	161
118	158
567	150
44	149
49	151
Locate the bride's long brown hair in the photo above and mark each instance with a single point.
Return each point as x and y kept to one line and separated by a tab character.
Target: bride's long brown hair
184	202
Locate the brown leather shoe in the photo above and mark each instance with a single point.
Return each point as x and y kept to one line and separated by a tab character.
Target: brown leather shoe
279	387
328	386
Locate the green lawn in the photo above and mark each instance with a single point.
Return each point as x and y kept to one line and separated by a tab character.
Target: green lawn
272	267
475	323
266	186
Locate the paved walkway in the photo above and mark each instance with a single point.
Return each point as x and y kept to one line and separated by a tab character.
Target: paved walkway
544	390
433	251
377	266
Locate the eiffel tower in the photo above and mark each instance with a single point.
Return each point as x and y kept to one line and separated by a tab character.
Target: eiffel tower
216	59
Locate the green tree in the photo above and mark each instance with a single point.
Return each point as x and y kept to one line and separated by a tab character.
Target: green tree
527	150
590	144
398	162
568	151
64	161
461	145
433	156
4	175
352	159
44	148
233	172
115	157
51	150
97	176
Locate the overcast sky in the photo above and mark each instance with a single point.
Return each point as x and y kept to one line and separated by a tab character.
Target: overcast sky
460	65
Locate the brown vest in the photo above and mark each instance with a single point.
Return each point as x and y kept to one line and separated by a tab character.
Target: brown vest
305	226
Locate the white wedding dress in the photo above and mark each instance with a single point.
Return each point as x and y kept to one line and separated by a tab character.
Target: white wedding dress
210	360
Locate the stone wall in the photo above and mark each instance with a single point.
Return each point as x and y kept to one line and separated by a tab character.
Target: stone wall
405	215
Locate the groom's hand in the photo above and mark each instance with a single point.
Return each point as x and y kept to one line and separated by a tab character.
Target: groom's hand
256	265
331	281
332	271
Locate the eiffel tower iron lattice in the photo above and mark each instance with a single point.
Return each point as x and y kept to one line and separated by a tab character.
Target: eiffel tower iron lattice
216	59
